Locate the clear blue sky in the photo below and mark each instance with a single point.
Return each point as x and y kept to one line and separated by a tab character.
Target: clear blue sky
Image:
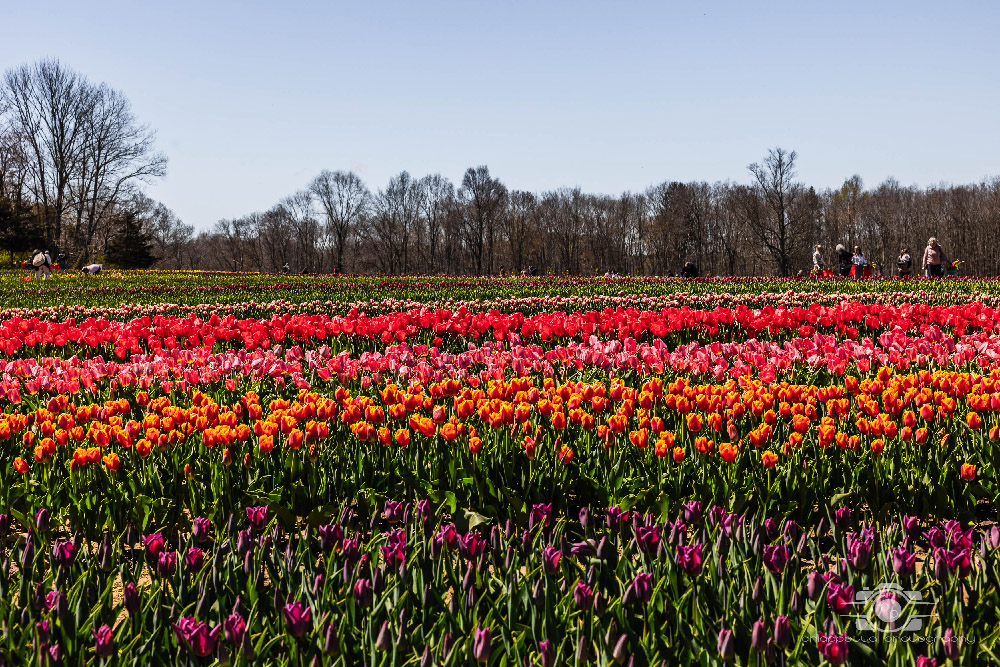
252	99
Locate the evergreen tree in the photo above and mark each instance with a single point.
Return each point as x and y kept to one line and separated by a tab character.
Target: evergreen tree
132	246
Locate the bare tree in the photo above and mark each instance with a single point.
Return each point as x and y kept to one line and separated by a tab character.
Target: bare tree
484	199
438	199
342	197
49	106
776	224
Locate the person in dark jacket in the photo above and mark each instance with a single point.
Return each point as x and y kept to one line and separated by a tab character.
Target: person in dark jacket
689	270
843	260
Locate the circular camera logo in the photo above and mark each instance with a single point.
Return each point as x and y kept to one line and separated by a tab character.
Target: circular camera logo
890	608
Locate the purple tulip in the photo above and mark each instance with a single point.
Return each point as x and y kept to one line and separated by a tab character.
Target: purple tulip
791	531
689	558
393	511
993	538
257	516
196	636
732	525
583	596
53	659
911	527
758	637
330	536
64	553
166	565
131	598
833	648
235	628
782	632
471	545
616	517
936	537
540	515
950	644
362	593
43	631
904	562
56	600
547	652
104	641
551	557
692	511
925	661
42	520
424	511
840	597
201	529
842	518
814	585
195	557
942	568
481	647
584	516
640	590
153	545
297	618
770	528
648	539
775	558
726	644
583	549
4	525
859	554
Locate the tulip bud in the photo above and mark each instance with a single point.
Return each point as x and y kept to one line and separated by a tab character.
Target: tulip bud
582	651
401	643
951	644
547	653
28	554
620	651
584	516
446	643
4	525
726	644
383	642
795	603
378	582
331	640
538	593
38	597
758	637
42	520
758	590
782	632
481	645
814	585
427	658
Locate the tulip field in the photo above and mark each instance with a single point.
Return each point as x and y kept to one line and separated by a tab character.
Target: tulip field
243	469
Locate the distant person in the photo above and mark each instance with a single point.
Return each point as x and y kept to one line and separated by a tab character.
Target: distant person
818	262
859	262
904	263
286	268
61	260
843	260
92	269
42	263
689	270
934	259
503	271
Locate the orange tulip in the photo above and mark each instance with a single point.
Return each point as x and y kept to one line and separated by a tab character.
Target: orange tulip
20	465
768	458
968	471
112	461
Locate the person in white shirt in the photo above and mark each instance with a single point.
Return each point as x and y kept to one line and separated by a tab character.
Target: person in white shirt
859	262
92	269
818	263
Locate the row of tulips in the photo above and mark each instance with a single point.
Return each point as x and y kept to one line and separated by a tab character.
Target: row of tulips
923	442
672	326
407	586
533	304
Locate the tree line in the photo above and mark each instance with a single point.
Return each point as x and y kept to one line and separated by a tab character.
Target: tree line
74	159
